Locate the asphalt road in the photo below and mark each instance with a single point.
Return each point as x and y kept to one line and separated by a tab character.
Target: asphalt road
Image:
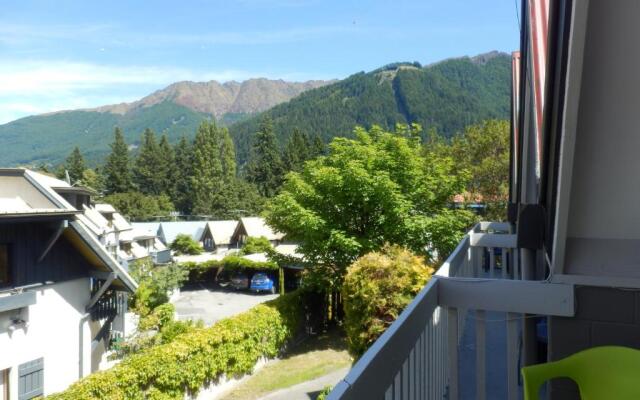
211	305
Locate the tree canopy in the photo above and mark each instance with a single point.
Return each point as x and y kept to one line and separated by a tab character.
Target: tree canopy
377	188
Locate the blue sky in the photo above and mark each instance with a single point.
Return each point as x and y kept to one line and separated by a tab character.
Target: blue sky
67	54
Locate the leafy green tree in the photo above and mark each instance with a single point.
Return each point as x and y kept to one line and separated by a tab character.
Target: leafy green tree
138	206
207	180
93	179
168	170
116	170
184	171
184	244
255	245
148	166
265	168
377	188
75	165
296	151
483	149
377	287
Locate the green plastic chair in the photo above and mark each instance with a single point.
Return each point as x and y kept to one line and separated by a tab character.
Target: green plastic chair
607	372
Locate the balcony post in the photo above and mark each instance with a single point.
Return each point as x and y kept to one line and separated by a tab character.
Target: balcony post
452	327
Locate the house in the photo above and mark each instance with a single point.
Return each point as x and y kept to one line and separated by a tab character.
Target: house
62	294
168	231
124	242
217	236
568	276
255	227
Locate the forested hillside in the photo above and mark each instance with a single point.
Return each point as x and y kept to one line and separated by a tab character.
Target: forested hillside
446	96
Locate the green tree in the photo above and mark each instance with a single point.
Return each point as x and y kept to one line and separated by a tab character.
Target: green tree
265	167
318	147
483	149
93	179
296	151
184	171
140	207
377	188
255	245
207	180
148	166
168	171
227	156
116	170
184	244
75	165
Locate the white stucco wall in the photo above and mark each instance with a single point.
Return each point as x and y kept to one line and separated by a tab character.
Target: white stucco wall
55	332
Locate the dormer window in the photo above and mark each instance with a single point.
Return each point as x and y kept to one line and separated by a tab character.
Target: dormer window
5	265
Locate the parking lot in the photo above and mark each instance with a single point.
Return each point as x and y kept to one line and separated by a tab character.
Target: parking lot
213	304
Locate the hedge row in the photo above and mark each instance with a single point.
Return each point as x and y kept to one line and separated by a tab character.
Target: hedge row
200	272
193	359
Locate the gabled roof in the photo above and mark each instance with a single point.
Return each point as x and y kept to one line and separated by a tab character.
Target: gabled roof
169	230
256	227
221	231
37	197
149	227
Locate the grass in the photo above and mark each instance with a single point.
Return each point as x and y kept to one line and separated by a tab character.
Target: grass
311	359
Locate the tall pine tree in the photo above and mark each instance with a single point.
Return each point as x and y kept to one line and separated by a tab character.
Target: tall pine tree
227	156
116	170
296	151
168	171
75	166
147	172
207	178
265	168
183	175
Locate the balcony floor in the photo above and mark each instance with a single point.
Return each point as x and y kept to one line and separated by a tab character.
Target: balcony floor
496	356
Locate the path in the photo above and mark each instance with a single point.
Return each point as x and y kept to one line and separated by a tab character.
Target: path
307	390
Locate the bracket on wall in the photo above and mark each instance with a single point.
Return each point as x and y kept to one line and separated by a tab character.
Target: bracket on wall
94	299
53	239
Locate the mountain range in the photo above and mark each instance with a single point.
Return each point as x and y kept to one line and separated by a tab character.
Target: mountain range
175	110
445	96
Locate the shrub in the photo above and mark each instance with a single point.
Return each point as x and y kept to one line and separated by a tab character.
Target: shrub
377	287
201	355
184	244
255	245
154	284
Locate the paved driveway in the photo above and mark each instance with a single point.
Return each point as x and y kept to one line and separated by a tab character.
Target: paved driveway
211	305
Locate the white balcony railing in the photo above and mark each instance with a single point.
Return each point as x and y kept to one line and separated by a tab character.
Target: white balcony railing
417	356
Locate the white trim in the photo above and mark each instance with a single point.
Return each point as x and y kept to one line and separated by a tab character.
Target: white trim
493	240
525	297
569	127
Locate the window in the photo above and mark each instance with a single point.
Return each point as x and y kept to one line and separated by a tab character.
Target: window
5	266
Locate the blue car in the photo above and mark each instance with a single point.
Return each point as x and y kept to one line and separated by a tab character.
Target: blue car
261	282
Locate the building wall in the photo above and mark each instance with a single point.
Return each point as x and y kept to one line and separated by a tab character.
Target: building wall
28	241
56	331
604	316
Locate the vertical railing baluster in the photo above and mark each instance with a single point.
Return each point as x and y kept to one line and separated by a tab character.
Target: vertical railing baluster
481	349
503	262
452	325
512	356
492	263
